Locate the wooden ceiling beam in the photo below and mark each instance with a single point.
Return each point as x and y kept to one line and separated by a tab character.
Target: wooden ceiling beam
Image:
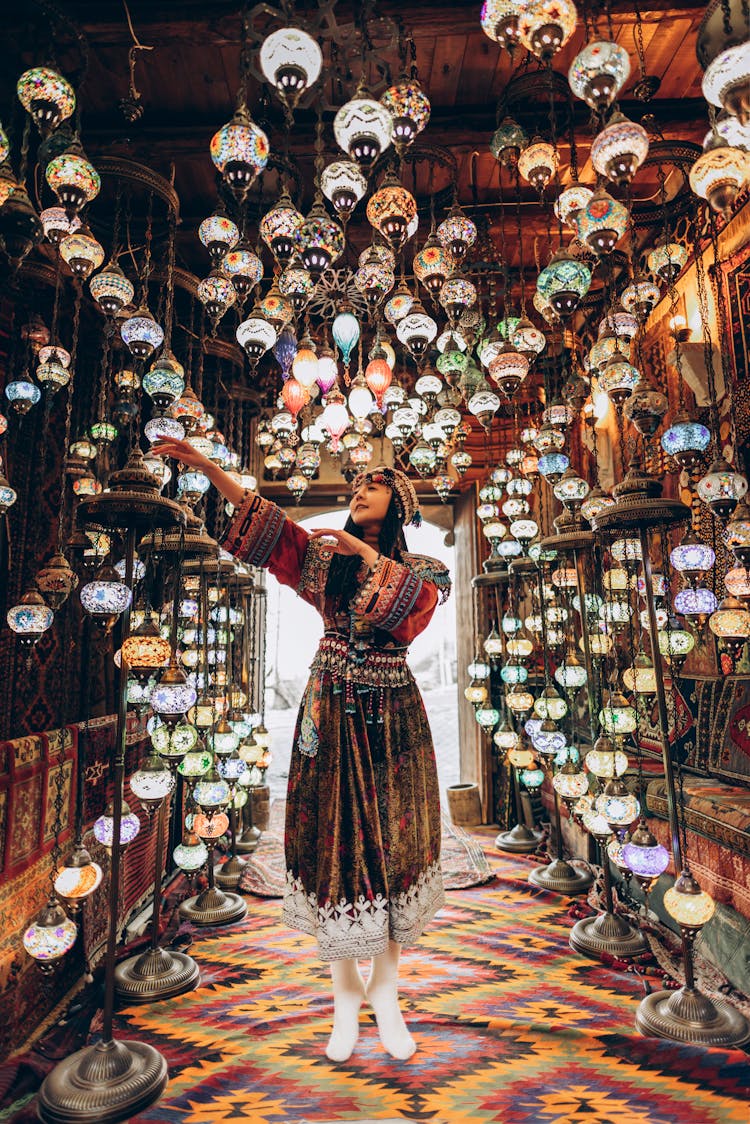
155	21
462	128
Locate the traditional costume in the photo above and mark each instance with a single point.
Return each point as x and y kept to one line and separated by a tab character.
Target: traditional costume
363	808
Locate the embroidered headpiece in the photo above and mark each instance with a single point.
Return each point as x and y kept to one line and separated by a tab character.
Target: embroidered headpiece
407	501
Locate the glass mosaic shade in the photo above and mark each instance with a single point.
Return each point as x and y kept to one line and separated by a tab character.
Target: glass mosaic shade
73	179
141	334
47	96
363	129
343	184
321	240
409	108
508	142
690	906
545	26
599	72
564	283
602	222
191	854
50	935
111	289
457	233
279	228
619	149
82	253
240	151
291	60
130	826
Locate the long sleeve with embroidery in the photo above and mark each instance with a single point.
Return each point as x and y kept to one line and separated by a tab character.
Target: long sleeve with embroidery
261	534
400	598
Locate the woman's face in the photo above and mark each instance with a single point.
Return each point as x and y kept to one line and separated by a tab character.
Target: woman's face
369	503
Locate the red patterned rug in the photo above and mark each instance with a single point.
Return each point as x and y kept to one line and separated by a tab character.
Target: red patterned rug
461	857
511	1027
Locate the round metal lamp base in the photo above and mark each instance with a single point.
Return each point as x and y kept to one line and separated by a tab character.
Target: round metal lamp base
607	932
104	1083
248	841
228	874
519	840
689	1016
561	877
213	907
155	974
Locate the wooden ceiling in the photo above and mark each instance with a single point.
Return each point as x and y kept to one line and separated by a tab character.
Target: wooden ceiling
188	82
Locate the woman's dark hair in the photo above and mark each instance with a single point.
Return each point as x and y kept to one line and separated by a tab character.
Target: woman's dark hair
341	584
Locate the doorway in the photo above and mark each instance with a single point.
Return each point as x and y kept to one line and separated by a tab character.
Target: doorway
294	629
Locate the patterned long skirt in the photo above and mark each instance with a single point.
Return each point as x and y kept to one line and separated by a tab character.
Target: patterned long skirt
363	821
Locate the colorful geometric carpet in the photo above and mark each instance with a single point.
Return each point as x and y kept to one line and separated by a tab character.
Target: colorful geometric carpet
462	859
511	1026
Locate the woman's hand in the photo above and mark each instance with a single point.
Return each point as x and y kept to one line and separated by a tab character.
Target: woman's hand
341	542
182	451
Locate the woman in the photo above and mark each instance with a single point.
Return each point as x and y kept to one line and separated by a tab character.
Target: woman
363	811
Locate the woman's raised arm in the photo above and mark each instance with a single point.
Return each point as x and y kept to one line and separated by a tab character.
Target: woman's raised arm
183	451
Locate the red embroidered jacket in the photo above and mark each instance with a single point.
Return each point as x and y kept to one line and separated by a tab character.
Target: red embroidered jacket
396	597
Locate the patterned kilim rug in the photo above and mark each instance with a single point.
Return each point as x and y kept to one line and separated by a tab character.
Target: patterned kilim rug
461	857
511	1026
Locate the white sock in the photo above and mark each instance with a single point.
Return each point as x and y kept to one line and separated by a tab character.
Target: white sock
348	994
382	993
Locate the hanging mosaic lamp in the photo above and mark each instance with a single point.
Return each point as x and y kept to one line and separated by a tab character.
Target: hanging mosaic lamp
373	280
244	268
564	283
30	618
618	378
570	201
483	405
499	20
296	283
82	253
53	370
433	265
457	233
508	142
8	495
105	598
20	226
73	179
409	108
598	73
335	418
619	149
279	228
217	294
111	289
667	259
719	174
321	239
343	185
686	440
726	81
55	222
417	330
545	26
291	61
390	210
345	332
538	163
47	96
721	488
240	151
737	533
602	222
218	234
22	394
255	335
141	334
508	369
363	129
